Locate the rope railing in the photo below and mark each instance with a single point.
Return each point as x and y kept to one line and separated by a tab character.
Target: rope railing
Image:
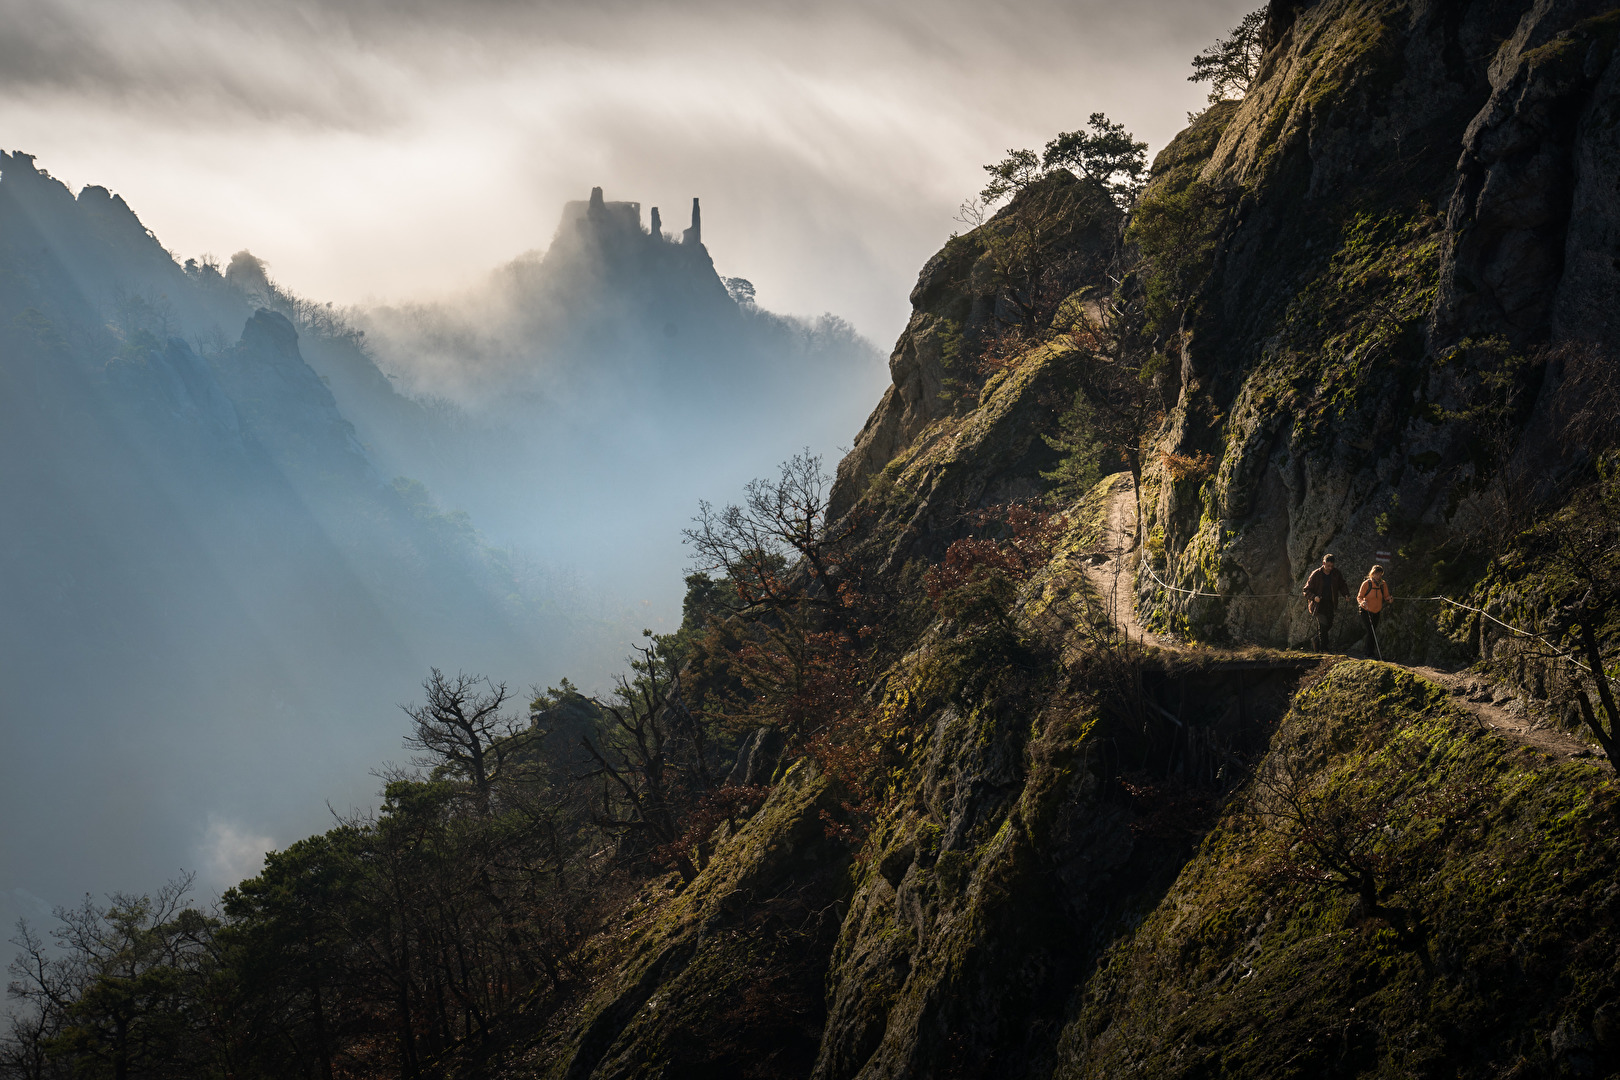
1557	652
1217	596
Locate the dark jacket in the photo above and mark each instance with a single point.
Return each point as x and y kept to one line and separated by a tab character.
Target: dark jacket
1326	588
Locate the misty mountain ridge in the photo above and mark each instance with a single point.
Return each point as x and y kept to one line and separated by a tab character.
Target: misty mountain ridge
1026	746
617	360
609	306
213	566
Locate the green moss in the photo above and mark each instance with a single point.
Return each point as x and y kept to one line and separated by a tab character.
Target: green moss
679	981
1353	52
1356	330
927	836
951	870
1570	48
1239	979
1177	219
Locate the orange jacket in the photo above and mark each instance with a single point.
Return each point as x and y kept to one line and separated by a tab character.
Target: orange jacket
1373	595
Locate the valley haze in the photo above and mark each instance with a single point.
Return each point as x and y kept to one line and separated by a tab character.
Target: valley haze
516	584
388	158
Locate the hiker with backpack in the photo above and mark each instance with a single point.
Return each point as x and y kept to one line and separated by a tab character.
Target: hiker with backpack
1322	590
1372	598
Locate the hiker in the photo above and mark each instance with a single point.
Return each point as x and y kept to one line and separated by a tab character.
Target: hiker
1322	590
1372	598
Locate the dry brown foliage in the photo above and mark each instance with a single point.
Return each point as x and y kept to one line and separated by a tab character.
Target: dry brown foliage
1028	536
1184	467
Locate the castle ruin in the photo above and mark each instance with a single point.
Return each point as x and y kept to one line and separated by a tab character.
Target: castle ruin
625	217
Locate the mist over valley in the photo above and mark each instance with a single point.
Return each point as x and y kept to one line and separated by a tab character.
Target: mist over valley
508	621
242	525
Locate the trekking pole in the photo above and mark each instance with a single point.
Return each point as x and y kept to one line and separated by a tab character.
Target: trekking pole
1372	627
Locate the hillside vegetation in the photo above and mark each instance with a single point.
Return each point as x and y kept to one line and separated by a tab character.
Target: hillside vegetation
900	800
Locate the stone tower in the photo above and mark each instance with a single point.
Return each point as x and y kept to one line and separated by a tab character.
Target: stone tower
657	225
694	235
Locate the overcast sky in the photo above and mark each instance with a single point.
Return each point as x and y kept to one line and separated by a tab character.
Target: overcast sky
373	150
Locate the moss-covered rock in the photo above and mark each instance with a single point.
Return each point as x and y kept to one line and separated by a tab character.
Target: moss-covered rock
1236	974
1331	359
1074	874
723	978
955	311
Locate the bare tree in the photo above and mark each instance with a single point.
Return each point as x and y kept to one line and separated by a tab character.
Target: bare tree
116	996
645	786
1581	546
1345	832
461	730
42	985
1589	405
780	529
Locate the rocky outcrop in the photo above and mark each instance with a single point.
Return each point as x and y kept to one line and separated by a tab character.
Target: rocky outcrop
1329	364
1534	223
1015	857
1239	971
177	387
1066	885
1319	363
757	758
1072	872
959	950
953	313
288	407
725	978
694	234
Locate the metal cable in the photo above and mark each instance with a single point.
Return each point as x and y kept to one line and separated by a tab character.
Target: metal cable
1557	652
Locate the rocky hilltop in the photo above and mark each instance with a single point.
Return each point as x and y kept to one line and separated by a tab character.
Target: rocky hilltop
615	326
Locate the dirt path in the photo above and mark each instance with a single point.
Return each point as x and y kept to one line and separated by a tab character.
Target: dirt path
1499	709
1111	568
1496	706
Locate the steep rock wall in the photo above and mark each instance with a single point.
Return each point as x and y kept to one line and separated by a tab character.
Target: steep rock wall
1319	362
1241	972
953	312
721	979
1320	370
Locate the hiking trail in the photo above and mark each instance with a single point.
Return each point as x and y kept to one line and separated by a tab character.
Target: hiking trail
1111	568
1111	572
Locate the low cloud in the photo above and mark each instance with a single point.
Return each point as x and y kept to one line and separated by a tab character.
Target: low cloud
393	151
231	852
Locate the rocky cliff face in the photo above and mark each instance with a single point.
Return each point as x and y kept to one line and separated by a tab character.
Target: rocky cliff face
1407	177
1410	222
953	311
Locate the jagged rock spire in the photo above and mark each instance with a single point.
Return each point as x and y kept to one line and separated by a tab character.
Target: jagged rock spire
694	235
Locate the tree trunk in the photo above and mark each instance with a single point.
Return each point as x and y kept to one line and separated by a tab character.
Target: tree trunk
323	1044
1594	657
1134	463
